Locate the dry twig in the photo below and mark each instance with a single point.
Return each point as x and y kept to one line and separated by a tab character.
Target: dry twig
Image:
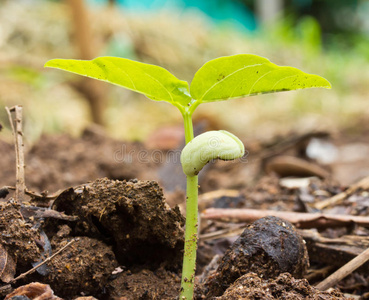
300	220
33	194
337	199
15	118
342	272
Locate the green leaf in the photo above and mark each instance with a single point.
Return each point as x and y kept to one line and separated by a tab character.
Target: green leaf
245	75
154	82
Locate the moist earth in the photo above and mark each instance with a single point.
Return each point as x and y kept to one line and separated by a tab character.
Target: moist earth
127	242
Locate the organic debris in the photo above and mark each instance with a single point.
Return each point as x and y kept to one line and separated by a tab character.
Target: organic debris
34	291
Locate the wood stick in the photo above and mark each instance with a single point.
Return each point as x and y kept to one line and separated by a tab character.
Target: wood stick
15	118
35	194
45	261
300	220
336	199
342	272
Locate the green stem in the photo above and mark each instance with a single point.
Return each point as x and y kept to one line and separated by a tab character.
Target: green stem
189	257
187	118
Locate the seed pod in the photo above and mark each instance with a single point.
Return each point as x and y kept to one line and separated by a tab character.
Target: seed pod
207	146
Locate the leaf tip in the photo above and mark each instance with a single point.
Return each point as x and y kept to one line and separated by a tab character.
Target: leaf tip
328	85
49	63
322	82
325	83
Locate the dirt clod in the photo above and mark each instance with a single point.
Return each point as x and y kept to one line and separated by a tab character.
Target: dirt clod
270	246
17	236
4	192
251	286
132	216
84	267
145	285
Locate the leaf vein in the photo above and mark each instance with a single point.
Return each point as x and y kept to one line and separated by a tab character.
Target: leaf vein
281	80
256	81
123	71
170	95
230	97
238	70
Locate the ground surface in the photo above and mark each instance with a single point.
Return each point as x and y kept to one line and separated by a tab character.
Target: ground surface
130	229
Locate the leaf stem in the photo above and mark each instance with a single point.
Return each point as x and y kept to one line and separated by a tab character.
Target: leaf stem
193	106
188	127
189	257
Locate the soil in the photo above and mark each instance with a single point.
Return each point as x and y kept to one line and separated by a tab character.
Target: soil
83	268
19	239
268	247
131	216
251	286
126	232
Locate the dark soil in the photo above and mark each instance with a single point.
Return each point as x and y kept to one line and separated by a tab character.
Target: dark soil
121	223
83	268
20	240
131	216
129	237
251	286
60	161
145	284
268	247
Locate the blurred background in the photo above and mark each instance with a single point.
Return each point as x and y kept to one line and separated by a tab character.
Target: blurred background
325	37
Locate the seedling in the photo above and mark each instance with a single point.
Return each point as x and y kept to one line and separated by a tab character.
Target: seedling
219	79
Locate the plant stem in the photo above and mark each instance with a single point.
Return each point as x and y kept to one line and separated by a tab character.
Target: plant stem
188	127
189	257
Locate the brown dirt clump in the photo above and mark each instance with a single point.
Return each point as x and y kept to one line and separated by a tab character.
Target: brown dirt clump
19	238
251	287
268	247
84	267
132	216
120	223
145	285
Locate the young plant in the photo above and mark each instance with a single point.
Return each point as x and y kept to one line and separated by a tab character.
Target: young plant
219	79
